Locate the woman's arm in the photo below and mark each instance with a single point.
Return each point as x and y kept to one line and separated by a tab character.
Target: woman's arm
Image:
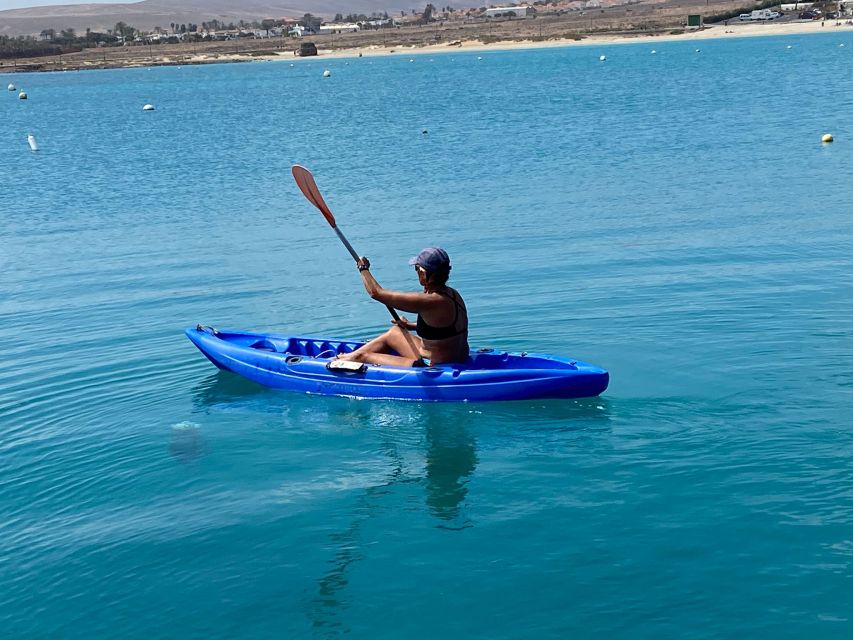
412	302
405	301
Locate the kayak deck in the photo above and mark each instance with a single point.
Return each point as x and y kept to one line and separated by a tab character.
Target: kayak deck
303	364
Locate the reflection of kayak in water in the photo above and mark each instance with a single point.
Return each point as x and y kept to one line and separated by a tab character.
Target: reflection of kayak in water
308	365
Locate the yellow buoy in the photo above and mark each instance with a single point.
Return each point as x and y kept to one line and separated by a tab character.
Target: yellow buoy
826	137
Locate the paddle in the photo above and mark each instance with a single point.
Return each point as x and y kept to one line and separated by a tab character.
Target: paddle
307	185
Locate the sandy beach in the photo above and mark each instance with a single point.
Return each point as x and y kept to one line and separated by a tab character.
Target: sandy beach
733	30
261	51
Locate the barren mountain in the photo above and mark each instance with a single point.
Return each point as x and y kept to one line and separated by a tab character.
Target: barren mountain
150	13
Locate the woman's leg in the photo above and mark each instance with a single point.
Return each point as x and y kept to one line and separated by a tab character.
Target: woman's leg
392	340
385	358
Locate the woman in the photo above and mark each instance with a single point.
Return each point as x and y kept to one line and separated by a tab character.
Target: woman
442	326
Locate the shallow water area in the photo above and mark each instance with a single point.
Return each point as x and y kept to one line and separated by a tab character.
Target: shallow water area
673	218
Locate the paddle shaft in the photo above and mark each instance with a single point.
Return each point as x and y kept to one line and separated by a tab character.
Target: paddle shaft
308	186
355	257
343	239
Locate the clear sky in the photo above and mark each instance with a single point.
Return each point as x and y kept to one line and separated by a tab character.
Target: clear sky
19	4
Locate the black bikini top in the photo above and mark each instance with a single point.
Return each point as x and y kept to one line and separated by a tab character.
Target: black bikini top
428	332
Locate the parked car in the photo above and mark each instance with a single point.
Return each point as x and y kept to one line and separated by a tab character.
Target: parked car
306	49
745	16
809	14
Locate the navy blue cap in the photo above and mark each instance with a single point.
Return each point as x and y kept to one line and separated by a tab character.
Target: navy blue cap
432	259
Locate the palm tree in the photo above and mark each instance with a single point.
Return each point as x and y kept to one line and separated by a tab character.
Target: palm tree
427	15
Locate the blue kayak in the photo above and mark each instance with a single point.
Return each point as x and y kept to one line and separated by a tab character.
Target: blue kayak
308	365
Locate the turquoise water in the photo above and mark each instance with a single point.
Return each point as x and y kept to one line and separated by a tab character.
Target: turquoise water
671	217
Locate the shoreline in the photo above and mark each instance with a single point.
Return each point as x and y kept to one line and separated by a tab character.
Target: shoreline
712	32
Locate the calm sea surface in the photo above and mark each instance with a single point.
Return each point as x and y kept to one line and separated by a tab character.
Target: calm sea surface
671	217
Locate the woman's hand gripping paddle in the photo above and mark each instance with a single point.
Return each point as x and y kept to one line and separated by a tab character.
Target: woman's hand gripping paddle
307	185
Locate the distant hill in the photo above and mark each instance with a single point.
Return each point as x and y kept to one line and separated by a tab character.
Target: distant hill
152	13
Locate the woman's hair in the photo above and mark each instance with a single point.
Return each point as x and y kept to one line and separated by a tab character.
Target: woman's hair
439	276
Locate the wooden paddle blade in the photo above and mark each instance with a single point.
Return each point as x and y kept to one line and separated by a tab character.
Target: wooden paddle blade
307	185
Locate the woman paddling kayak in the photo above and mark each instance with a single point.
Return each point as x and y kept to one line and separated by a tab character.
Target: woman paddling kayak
442	325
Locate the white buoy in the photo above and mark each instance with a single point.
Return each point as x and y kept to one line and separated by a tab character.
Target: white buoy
148	107
479	57
32	142
22	95
788	47
698	50
602	58
327	73
11	86
841	45
653	51
291	64
411	59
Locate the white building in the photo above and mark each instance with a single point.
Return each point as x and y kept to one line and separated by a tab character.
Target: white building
509	11
338	28
380	22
